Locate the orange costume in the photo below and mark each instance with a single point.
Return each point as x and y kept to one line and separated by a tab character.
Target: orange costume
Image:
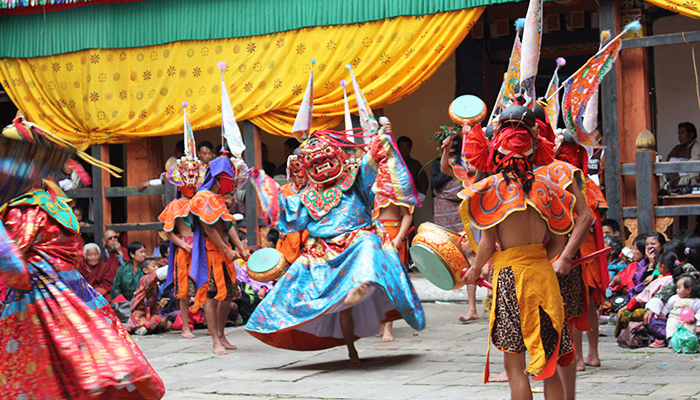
211	207
595	271
293	243
392	226
528	309
179	208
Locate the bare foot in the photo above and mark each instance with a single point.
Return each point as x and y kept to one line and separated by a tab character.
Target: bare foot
387	337
580	365
187	335
354	359
227	345
209	333
592	361
469	317
502	377
220	350
356	294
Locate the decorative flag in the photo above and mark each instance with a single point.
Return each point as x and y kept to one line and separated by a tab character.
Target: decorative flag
190	148
590	116
552	108
580	87
530	57
367	120
513	72
229	128
348	118
302	123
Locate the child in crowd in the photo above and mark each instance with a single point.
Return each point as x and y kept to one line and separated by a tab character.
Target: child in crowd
617	261
145	305
621	283
634	310
664	319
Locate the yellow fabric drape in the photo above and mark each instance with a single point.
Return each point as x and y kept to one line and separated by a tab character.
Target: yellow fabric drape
115	95
689	8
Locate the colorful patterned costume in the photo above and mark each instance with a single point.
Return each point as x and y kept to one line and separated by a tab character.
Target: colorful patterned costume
302	312
61	339
145	306
186	174
392	226
528	310
210	266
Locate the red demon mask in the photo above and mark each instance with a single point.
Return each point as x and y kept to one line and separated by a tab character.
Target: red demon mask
296	173
323	162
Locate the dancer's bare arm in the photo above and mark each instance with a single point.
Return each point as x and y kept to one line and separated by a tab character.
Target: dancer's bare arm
487	245
178	242
562	265
445	167
215	237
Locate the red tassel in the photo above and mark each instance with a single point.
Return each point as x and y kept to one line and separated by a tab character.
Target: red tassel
84	177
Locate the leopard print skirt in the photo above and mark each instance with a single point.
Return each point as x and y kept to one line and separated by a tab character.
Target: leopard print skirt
572	292
507	333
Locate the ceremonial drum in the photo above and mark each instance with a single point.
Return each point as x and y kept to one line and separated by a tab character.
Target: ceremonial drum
266	265
467	110
438	255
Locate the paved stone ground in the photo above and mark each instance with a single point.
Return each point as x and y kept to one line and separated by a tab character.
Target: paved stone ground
445	361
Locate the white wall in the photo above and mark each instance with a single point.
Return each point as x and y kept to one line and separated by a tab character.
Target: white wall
676	92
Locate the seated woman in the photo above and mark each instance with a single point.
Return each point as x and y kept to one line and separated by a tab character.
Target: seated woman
95	271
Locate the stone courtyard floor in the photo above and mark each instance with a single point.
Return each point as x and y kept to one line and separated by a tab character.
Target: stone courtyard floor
444	361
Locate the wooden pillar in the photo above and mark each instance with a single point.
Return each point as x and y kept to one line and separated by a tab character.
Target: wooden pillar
98	202
634	102
634	110
253	158
644	161
647	184
144	161
106	182
613	180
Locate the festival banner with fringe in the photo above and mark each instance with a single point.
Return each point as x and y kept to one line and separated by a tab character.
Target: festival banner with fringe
116	95
583	84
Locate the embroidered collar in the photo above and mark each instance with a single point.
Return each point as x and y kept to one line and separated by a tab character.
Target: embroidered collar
319	201
59	210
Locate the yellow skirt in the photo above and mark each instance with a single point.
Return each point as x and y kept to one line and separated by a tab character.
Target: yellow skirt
528	284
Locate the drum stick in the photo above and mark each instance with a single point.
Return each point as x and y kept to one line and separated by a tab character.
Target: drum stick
484	283
588	257
442	146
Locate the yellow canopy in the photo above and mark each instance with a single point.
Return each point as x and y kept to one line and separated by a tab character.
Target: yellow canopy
116	95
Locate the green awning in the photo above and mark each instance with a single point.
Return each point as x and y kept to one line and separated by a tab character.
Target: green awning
153	22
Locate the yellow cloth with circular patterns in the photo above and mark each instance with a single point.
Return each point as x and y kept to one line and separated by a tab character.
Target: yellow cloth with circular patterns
116	95
689	8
